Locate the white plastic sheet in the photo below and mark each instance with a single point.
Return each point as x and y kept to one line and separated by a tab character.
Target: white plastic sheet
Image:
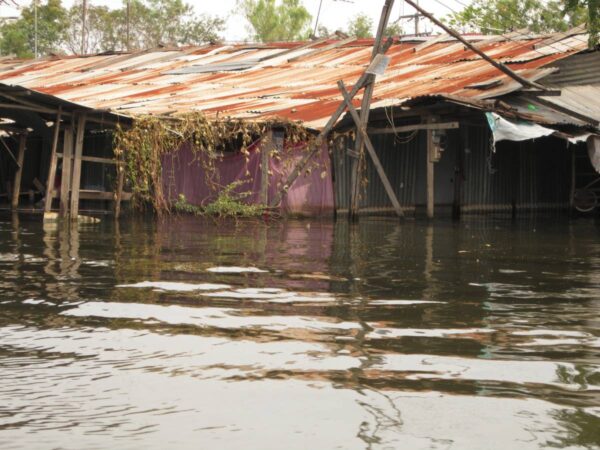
506	130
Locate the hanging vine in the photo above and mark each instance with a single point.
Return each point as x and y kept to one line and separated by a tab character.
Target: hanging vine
143	146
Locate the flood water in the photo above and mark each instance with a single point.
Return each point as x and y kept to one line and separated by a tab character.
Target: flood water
300	335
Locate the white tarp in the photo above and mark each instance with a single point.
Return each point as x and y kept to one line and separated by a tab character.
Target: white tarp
506	130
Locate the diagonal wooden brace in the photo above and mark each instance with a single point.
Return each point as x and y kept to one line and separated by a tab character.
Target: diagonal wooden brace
361	129
363	81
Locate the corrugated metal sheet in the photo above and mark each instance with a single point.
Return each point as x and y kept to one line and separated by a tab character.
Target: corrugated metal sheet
281	80
525	176
581	69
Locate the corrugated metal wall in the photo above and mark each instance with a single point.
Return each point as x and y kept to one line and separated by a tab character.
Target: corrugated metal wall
524	176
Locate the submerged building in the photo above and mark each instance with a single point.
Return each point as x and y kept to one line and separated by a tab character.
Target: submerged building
450	132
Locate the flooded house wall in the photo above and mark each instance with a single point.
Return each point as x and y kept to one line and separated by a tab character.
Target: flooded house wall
522	176
310	195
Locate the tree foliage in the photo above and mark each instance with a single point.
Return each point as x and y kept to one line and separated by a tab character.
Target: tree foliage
499	16
151	23
592	9
272	20
18	37
360	26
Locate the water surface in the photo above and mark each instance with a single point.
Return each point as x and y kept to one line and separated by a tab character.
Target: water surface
300	334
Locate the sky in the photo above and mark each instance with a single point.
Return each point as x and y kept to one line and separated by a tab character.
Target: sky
335	14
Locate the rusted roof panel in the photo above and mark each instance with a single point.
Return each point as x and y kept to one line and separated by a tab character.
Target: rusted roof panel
284	80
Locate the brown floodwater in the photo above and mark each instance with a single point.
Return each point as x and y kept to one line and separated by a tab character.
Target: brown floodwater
300	334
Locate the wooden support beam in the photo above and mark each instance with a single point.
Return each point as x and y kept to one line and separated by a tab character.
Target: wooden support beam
365	110
87	194
316	145
95	159
430	174
76	179
19	173
415	127
371	150
501	67
53	163
67	169
119	190
266	147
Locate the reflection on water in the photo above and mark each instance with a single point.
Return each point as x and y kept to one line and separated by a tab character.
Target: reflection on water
191	334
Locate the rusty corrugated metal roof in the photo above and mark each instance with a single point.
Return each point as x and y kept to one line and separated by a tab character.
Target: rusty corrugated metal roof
284	80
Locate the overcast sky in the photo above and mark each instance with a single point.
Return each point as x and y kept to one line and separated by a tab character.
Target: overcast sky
335	14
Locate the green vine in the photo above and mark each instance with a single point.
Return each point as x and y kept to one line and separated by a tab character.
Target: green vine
143	146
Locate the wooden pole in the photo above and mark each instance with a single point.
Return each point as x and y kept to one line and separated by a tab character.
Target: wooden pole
316	145
265	150
19	173
501	67
67	164
380	170
76	181
430	175
119	189
365	109
53	163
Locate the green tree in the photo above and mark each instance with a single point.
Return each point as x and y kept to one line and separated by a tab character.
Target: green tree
499	16
592	11
361	26
19	37
272	20
394	29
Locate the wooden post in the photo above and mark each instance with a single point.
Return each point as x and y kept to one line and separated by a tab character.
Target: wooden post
316	145
365	110
119	188
430	175
19	173
265	150
67	160
76	181
380	171
53	164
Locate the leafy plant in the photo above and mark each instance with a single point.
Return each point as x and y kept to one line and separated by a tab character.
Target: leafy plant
277	20
143	146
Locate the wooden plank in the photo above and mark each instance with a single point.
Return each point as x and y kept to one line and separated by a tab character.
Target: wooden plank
76	180
420	126
318	142
86	194
365	109
371	150
95	159
53	163
19	173
67	164
265	150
